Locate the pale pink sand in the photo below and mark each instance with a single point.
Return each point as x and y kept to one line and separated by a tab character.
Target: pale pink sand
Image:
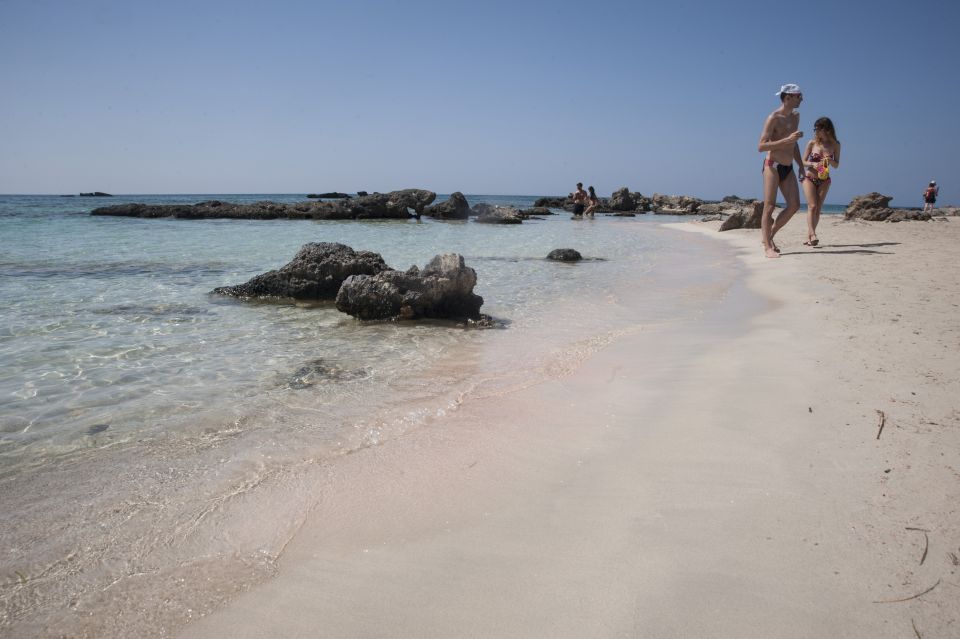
723	480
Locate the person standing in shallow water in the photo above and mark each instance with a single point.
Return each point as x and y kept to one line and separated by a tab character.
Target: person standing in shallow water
821	153
779	141
579	200
593	200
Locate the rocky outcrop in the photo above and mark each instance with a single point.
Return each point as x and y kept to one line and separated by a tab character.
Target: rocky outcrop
315	273
443	289
621	200
739	213
96	194
565	255
394	205
744	218
875	207
333	195
499	215
554	202
455	208
675	204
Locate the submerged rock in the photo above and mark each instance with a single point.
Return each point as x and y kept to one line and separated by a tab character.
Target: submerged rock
499	215
315	273
565	255
537	211
319	371
443	289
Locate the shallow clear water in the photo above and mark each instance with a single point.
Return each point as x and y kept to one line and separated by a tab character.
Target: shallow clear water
143	420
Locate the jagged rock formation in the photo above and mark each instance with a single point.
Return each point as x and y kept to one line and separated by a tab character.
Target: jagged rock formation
315	273
443	289
874	207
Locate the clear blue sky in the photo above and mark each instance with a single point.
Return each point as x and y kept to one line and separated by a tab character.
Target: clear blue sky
480	97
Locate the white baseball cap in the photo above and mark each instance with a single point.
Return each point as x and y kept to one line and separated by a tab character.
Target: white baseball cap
788	88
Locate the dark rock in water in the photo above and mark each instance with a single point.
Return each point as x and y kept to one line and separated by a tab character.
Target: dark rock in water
97	428
500	215
393	205
553	202
456	208
315	273
96	194
875	207
536	211
482	208
622	200
319	371
624	214
443	289
361	193
333	195
565	255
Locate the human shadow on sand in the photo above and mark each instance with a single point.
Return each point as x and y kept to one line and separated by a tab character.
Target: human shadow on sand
821	251
875	244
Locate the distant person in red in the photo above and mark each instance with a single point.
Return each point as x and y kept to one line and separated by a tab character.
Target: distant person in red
822	153
779	141
930	196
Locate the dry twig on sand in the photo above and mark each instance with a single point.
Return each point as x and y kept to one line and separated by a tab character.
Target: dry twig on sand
883	420
915	631
926	542
919	594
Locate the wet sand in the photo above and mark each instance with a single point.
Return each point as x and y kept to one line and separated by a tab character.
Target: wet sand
721	479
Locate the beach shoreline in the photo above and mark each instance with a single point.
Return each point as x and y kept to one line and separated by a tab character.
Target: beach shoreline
755	500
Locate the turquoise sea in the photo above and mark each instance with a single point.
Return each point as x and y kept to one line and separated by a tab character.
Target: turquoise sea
156	439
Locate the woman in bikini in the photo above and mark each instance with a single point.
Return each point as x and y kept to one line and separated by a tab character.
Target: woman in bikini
594	202
822	153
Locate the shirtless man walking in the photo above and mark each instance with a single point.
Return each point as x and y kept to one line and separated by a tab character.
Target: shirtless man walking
779	141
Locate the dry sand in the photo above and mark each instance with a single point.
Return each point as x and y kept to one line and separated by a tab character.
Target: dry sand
726	480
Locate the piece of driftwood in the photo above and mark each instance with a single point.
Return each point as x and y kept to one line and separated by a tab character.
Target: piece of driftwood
919	594
883	420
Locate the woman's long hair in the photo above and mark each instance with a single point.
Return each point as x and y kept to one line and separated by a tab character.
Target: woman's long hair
826	125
